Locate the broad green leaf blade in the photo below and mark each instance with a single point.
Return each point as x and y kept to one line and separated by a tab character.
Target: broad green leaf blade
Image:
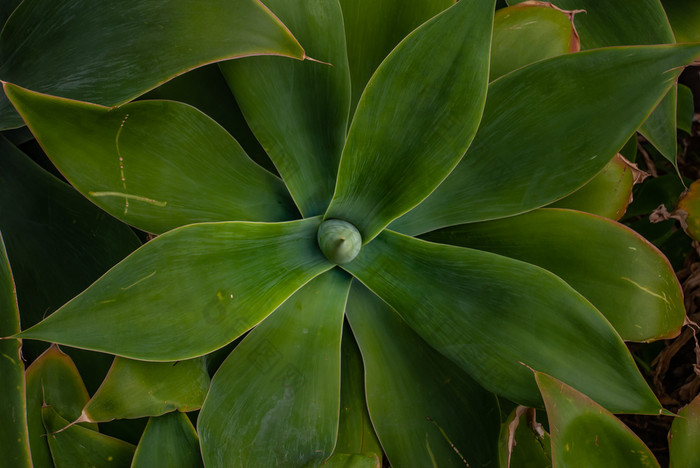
189	291
206	89
52	380
689	205
584	434
494	316
373	29
355	432
685	109
58	244
660	127
416	118
623	275
353	460
523	34
113	52
169	441
684	436
299	110
14	438
631	22
517	163
275	400
426	410
684	17
78	446
6	9
620	23
607	194
520	445
154	164
136	389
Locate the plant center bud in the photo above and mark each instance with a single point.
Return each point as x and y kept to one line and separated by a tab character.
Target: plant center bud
339	240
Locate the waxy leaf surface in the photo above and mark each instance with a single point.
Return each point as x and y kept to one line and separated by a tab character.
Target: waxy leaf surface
58	244
355	432
416	118
684	436
145	162
684	17
517	163
620	23
52	379
426	410
14	438
607	194
488	314
373	29
189	291
135	389
110	53
685	109
584	434
524	34
78	446
623	275
624	23
275	400
206	89
299	110
169	441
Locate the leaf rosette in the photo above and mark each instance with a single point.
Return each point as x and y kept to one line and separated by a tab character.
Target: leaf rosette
410	211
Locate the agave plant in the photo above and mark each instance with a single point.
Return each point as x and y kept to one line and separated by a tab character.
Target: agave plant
394	268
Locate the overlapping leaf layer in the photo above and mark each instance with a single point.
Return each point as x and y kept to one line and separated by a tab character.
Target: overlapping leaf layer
432	137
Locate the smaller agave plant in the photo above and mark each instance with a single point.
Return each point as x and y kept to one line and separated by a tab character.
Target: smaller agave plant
394	276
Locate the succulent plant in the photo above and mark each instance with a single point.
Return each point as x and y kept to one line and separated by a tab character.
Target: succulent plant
395	274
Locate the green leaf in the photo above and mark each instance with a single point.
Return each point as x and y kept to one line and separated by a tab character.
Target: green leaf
113	52
353	460
299	110
607	194
683	438
6	9
58	243
517	163
76	446
685	109
619	23
416	118
684	17
14	438
585	434
275	400
689	205
493	315
660	127
135	389
144	162
520	445
206	89
169	441
355	432
189	291
631	22
52	380
373	29
426	410
623	275
524	34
